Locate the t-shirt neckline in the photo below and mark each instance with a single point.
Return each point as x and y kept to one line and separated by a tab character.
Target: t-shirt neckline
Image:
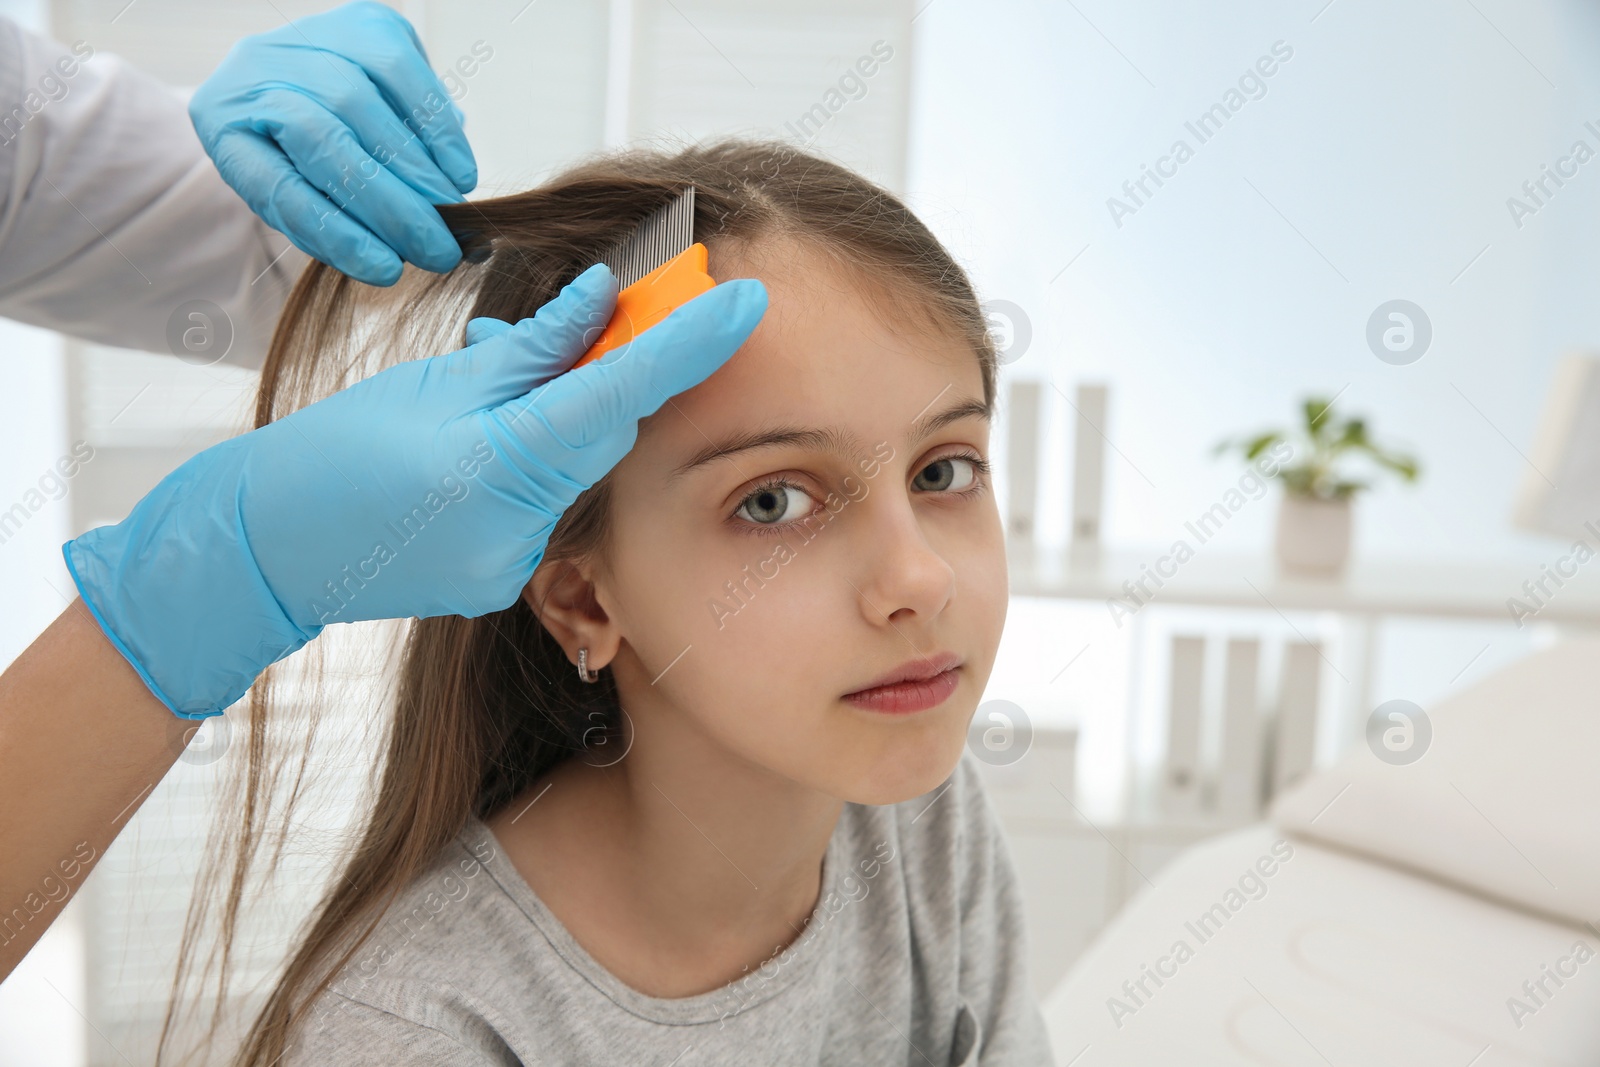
774	975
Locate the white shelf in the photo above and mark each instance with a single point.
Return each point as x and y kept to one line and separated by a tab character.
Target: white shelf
1370	587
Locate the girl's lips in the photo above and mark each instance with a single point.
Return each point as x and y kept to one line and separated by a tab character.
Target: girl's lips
905	697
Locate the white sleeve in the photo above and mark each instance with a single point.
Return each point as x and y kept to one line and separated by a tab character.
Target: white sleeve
113	218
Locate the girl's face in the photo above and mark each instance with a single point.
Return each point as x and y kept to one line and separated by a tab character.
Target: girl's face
750	586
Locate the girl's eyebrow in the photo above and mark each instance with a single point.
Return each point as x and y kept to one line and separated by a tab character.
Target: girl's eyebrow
829	439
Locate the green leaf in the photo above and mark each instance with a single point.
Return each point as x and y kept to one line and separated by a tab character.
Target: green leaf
1355	433
1261	443
1250	447
1316	411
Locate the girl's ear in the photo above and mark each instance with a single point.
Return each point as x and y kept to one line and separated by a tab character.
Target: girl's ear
562	596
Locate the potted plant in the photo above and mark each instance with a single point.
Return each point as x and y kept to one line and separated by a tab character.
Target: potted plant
1314	514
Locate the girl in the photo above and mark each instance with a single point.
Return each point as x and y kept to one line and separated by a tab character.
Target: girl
700	795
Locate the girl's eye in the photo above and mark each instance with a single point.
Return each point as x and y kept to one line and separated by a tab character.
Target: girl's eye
776	503
942	476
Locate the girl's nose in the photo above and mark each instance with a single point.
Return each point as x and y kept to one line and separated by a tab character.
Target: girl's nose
899	570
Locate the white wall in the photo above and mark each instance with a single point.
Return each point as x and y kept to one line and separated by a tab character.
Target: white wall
1390	140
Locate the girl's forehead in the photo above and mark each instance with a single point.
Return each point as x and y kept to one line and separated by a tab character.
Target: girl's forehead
815	299
832	353
829	341
832	369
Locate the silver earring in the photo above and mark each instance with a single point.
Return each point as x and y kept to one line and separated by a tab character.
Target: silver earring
583	667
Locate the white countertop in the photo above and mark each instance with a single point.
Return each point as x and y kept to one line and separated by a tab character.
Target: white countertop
1369	586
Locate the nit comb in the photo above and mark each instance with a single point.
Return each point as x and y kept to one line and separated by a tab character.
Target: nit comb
659	267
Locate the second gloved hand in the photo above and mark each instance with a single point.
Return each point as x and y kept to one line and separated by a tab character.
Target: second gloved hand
336	132
430	488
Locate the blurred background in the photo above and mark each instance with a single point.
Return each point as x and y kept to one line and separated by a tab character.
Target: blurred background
1150	300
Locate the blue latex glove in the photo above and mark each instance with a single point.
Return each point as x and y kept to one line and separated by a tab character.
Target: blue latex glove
427	489
337	133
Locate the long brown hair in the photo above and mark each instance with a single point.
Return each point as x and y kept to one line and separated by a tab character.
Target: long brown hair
482	707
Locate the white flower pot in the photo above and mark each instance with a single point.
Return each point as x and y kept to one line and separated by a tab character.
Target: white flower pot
1313	535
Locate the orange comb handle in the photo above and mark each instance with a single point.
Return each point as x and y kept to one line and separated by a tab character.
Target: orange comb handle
652	298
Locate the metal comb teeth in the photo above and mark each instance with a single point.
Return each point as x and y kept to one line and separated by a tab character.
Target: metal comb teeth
664	233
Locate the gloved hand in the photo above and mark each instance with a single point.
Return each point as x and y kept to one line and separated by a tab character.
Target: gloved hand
427	489
337	133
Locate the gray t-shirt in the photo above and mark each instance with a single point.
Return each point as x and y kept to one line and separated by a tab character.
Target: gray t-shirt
915	954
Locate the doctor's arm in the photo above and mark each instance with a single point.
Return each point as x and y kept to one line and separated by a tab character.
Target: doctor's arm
130	219
114	224
82	742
